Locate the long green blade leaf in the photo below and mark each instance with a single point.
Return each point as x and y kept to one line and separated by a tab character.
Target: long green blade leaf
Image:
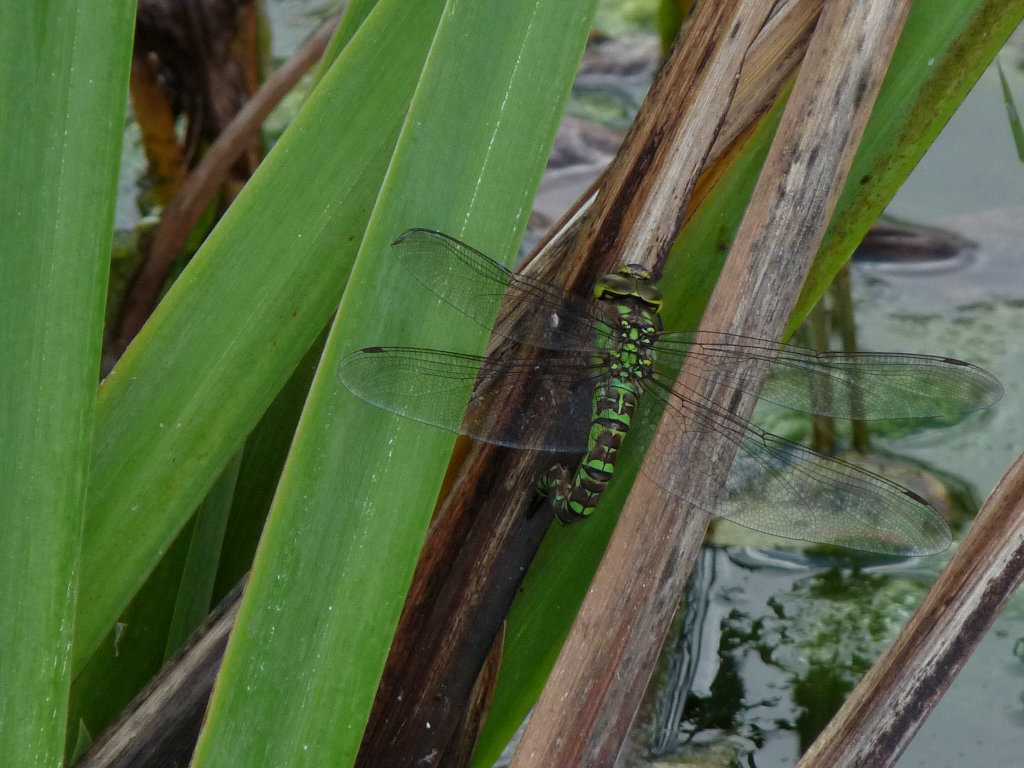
63	80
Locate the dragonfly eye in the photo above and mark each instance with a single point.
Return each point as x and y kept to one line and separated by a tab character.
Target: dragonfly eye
636	272
634	281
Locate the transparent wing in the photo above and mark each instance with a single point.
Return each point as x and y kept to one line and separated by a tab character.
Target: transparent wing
848	386
555	393
782	488
477	286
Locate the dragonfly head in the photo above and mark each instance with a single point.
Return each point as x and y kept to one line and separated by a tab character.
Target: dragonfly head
631	281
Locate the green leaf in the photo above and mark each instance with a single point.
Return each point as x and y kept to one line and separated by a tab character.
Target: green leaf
195	592
353	18
63	84
1012	115
262	461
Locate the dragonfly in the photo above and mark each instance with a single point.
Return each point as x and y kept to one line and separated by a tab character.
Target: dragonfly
592	360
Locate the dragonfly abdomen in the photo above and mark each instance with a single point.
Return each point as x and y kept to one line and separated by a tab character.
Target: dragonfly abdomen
574	495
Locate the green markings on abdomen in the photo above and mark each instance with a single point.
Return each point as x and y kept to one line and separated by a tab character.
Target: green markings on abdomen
575	495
